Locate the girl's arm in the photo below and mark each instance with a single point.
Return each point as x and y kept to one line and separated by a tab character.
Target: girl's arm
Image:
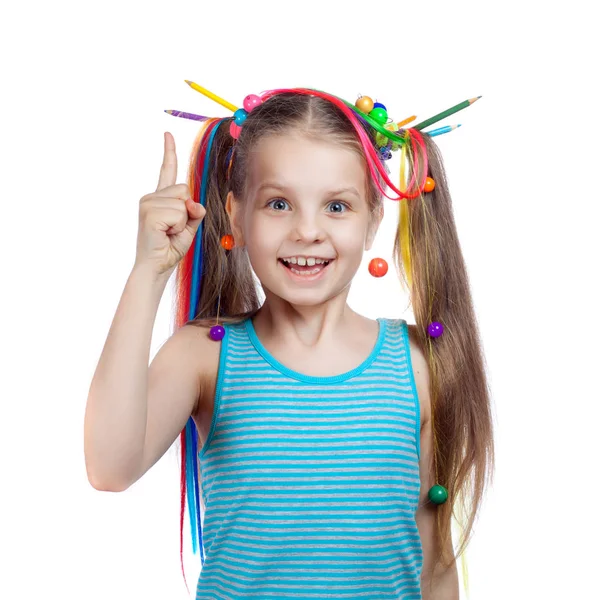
437	582
134	413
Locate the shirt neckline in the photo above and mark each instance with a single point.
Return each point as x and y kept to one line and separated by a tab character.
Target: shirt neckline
312	378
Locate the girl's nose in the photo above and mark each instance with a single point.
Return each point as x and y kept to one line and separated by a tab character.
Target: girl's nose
308	228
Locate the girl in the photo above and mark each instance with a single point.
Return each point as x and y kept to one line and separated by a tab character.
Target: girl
333	449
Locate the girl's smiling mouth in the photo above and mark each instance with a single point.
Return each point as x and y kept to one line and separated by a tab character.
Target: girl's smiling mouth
305	268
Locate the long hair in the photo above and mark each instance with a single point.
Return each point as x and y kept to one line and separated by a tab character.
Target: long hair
463	445
438	281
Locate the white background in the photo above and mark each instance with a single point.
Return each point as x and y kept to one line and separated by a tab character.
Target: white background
84	90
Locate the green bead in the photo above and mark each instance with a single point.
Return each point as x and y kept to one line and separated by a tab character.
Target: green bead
380	115
438	494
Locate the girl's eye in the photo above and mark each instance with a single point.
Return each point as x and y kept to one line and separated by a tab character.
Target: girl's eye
280	204
339	204
277	203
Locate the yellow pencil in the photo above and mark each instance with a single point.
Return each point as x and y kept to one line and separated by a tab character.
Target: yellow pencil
212	96
405	121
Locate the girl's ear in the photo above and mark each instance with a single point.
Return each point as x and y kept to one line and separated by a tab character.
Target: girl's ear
234	209
374	226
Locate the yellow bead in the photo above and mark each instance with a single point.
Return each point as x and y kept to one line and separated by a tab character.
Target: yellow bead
365	104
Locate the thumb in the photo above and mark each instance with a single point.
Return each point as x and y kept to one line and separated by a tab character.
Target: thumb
196	213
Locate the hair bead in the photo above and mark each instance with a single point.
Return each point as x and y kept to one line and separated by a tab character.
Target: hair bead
365	104
379	115
435	329
378	267
385	153
235	130
438	494
217	333
239	116
227	242
251	101
429	185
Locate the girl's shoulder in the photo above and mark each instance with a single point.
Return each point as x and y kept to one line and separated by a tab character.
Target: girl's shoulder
205	353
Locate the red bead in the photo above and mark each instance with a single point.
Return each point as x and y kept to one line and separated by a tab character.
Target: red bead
429	185
227	242
378	267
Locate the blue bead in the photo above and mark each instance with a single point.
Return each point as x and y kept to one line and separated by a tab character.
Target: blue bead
379	105
435	329
217	333
239	116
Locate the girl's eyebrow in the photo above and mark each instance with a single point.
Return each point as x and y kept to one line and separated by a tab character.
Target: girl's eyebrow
284	188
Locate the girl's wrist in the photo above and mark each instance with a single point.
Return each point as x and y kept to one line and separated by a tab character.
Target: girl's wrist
146	273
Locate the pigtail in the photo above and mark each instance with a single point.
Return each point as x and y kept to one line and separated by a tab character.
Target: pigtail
210	281
440	292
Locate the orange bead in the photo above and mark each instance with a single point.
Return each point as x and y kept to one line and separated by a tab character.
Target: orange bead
227	242
365	104
429	185
378	267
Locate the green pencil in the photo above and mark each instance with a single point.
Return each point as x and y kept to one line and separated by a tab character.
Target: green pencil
446	113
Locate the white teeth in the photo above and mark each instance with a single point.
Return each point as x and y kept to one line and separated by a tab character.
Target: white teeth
305	273
302	261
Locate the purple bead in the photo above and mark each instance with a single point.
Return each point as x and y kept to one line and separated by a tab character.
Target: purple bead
435	329
385	153
217	333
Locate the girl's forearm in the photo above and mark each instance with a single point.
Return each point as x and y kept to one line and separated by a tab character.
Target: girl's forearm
115	417
442	585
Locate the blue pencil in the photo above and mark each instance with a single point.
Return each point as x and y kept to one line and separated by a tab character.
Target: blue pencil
441	130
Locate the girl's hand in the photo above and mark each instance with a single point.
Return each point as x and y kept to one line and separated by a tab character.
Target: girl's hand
168	219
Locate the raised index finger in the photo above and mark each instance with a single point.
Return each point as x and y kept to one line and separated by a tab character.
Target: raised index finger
168	169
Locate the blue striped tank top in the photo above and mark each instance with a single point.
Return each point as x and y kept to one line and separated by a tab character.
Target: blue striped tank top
311	484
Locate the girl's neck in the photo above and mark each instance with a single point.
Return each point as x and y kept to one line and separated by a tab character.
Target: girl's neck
309	327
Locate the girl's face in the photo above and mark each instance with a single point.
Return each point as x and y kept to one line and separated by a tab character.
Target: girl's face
305	220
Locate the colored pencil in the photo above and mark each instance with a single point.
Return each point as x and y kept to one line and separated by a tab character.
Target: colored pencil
186	115
406	121
446	113
441	130
212	96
